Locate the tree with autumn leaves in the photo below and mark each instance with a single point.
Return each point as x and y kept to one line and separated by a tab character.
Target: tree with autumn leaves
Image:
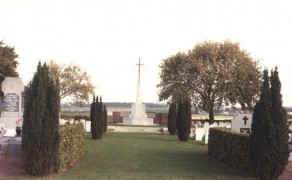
74	81
8	62
211	72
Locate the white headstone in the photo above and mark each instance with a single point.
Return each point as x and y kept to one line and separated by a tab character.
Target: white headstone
206	124
71	121
62	121
206	137
192	133
12	88
200	132
228	125
83	121
88	126
242	123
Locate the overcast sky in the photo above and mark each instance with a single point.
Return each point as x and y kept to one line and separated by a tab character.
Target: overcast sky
106	38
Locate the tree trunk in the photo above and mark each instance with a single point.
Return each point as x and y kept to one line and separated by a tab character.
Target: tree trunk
211	116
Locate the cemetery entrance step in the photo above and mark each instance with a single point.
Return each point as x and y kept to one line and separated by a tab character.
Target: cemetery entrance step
10	146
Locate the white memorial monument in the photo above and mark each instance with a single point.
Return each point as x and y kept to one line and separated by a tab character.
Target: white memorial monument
12	88
242	123
138	114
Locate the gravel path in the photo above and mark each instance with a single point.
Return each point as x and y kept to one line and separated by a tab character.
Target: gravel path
10	165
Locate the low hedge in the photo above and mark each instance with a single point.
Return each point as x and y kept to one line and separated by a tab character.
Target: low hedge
75	117
231	148
72	145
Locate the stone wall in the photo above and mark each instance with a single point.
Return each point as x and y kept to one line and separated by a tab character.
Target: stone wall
161	118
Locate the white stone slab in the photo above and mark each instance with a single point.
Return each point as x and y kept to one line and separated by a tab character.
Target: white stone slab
200	132
192	133
88	126
62	121
206	137
10	133
241	123
138	116
9	123
145	129
83	121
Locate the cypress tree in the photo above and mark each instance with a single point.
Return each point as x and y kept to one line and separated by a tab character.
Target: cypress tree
184	120
100	118
104	119
172	119
40	138
93	118
51	136
259	128
279	151
269	150
97	118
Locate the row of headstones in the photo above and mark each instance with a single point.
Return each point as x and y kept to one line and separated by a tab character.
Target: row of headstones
200	133
86	124
240	123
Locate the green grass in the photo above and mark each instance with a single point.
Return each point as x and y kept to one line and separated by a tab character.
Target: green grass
144	156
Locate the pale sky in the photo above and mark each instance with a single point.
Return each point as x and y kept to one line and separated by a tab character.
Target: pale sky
106	38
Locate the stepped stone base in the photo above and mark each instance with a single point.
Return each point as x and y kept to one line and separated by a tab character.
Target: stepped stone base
10	146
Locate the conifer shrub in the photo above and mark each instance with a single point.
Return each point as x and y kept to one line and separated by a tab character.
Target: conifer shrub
172	119
97	119
93	119
40	138
105	119
100	119
183	120
269	149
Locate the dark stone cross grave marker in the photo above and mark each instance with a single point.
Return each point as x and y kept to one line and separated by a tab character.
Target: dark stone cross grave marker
245	119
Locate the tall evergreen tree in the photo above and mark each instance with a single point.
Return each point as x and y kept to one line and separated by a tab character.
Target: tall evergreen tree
104	119
269	137
93	118
184	120
40	138
260	124
97	118
100	118
172	119
279	136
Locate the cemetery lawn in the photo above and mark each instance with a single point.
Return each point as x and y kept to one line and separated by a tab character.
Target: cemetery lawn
144	156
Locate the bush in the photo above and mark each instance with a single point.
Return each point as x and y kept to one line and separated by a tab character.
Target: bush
171	119
269	149
97	119
183	120
71	146
104	119
40	137
231	148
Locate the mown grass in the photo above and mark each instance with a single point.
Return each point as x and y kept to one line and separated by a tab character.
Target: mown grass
144	156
